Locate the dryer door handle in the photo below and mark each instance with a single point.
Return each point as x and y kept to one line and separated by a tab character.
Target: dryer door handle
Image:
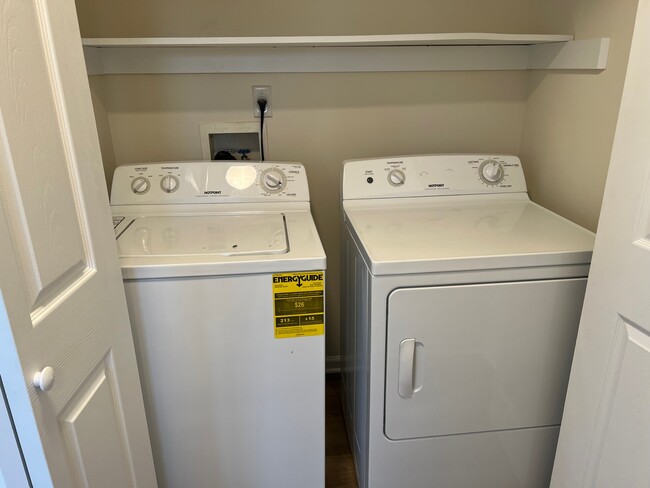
406	362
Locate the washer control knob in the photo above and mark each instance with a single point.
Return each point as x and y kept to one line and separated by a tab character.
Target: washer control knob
396	177
169	184
140	185
491	172
274	180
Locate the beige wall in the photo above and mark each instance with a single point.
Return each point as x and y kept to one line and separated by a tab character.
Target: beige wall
319	119
98	94
151	18
570	116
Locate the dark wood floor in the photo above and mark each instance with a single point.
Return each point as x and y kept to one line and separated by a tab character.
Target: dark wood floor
339	467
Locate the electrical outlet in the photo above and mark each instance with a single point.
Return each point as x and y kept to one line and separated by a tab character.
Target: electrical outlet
262	91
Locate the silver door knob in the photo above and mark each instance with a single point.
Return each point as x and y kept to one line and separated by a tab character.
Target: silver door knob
45	379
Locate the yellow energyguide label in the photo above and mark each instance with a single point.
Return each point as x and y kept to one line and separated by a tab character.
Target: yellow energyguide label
299	304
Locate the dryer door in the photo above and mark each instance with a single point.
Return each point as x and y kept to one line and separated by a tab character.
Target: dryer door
476	358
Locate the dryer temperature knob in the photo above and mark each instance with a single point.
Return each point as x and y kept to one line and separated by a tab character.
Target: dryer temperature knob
396	177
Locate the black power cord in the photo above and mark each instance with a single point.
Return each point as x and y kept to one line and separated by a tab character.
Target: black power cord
261	103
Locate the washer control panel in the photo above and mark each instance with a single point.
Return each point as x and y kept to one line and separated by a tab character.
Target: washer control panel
434	174
208	182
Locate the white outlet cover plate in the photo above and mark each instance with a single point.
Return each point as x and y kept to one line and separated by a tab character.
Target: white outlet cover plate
262	91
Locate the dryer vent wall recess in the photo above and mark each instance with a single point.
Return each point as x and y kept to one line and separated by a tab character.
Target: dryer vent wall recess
231	141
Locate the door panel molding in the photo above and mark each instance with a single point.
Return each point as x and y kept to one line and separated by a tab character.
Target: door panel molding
58	292
97	403
45	170
614	460
616	354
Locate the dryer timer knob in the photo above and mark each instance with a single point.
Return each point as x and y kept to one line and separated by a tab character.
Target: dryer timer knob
491	172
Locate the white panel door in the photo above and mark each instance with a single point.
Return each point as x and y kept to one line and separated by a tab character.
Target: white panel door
58	265
605	435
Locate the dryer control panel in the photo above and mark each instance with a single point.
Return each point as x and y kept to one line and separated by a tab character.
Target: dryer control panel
178	182
434	174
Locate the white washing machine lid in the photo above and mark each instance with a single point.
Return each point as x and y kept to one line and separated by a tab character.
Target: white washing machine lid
190	235
184	241
438	234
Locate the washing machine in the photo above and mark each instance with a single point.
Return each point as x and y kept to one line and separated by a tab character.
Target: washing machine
460	311
224	276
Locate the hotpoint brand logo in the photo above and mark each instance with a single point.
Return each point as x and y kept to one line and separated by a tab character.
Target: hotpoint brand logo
437	185
212	192
298	279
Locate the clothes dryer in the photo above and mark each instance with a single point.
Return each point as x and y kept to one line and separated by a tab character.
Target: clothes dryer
460	314
224	272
